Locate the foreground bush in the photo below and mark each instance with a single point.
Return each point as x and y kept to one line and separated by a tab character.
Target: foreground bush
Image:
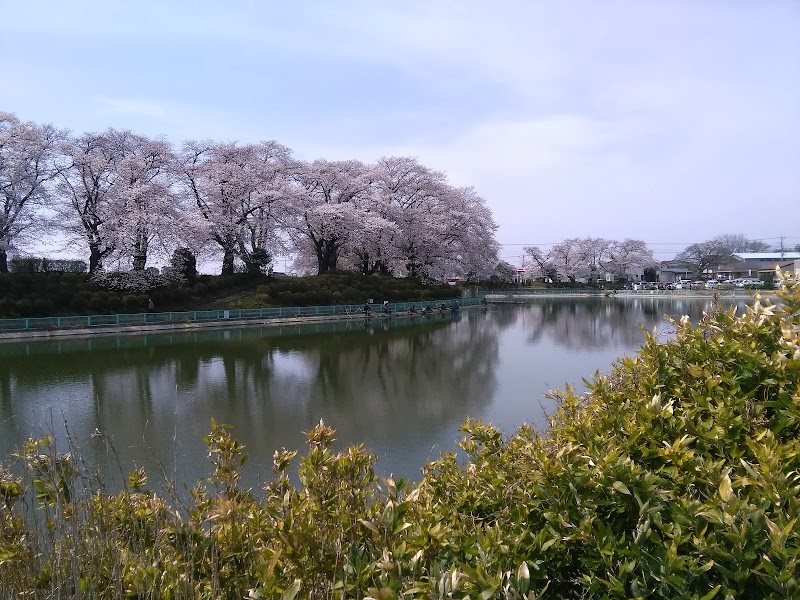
677	476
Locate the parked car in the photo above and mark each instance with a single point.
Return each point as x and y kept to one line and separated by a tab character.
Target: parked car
748	282
712	284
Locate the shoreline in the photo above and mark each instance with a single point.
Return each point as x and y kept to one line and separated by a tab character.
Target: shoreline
109	330
492	298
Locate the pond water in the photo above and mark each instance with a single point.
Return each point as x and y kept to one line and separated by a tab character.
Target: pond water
402	386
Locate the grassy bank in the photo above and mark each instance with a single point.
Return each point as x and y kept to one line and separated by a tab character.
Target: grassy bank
63	294
677	476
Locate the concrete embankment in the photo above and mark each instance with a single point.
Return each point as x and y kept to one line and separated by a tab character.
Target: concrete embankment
103	330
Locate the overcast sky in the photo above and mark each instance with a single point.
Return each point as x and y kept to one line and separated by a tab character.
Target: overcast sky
669	121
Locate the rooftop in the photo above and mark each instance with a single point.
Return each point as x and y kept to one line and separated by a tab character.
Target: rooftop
762	256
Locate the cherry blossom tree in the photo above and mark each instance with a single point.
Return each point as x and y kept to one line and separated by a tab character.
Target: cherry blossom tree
85	190
268	207
568	259
116	193
504	272
327	208
242	194
145	207
593	254
370	248
443	230
26	167
627	256
540	265
469	235
413	195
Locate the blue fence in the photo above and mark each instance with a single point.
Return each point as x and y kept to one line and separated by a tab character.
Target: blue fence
600	292
208	316
538	292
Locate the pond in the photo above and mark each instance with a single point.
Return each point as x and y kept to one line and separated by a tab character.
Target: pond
401	386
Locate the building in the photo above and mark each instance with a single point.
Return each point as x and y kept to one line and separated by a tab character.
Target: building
671	271
758	264
766	257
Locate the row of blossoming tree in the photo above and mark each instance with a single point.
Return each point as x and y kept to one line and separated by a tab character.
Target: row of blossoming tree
589	258
126	199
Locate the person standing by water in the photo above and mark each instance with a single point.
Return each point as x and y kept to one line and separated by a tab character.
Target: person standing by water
150	306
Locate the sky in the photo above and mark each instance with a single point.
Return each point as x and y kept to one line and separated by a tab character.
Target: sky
668	121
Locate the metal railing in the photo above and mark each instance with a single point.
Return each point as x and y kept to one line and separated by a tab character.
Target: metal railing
209	316
539	292
603	292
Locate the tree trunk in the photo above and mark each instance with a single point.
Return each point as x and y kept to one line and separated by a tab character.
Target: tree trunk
94	258
227	262
140	249
139	262
3	261
327	256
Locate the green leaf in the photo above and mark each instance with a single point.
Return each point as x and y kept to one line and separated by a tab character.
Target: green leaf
523	578
725	488
712	593
292	590
621	487
369	525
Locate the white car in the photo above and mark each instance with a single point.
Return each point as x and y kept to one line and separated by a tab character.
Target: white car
748	282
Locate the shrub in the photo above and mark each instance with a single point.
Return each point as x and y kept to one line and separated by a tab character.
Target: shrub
42	307
24	308
131	303
8	308
200	289
114	302
184	264
80	302
98	303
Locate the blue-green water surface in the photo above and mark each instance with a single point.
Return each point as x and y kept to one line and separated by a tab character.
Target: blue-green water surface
401	386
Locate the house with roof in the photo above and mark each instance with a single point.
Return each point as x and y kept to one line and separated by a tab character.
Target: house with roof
766	257
789	267
758	264
670	271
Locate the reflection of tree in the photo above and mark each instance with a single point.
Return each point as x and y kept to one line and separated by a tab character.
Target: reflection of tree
595	323
395	381
155	394
502	317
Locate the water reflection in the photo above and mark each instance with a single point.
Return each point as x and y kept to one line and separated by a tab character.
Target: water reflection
402	386
610	322
392	384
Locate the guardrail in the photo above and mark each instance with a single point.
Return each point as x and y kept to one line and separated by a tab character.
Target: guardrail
601	292
209	316
538	292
